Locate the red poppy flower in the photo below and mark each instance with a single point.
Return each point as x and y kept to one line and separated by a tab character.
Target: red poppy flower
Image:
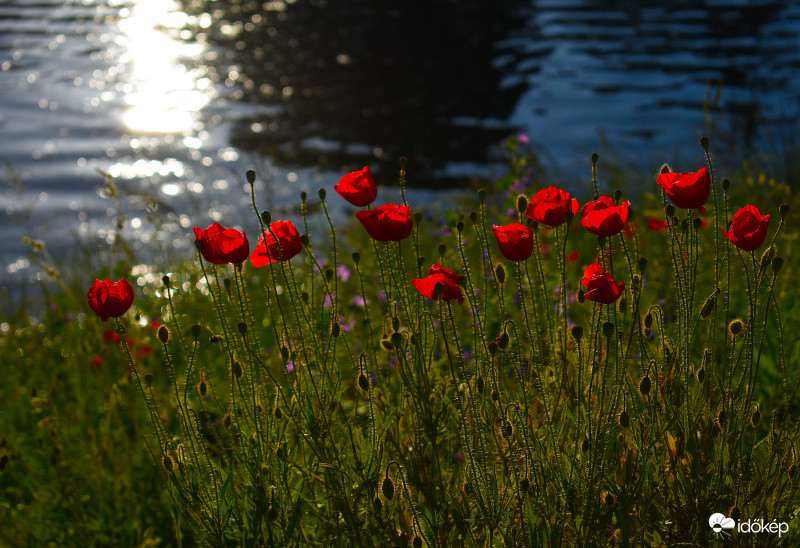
389	222
549	206
221	245
515	241
600	285
287	246
603	217
748	228
657	224
439	274
110	299
687	190
358	187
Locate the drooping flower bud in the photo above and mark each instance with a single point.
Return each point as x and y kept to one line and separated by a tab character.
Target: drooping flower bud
163	334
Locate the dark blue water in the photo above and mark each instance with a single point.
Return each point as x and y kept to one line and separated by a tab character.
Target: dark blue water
177	101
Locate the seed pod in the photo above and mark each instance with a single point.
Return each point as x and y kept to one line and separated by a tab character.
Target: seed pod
736	327
236	368
250	175
577	333
163	334
645	384
195	331
500	273
387	488
363	382
507	429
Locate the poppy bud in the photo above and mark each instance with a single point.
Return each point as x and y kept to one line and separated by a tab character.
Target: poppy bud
163	334
284	353
708	306
522	203
167	462
617	195
507	429
396	339
755	417
777	263
704	142
645	385
416	542
595	157
395	320
242	326
624	419
500	273
482	195
336	328
277	412
783	210
414	339
700	374
622	305
266	217
356	257
304	239
670	211
387	488
642	264
236	368
438	288
202	388
479	384
272	513
735	327
766	257
420	260
363	382
148	380
577	333
492	348
460	228
303	196
304	296
792	471
726	184
387	345
581	296
328	274
417	216
442	249
473	217
697	223
665	169
495	396
524	485
585	445
321	194
227	421
608	330
648	321
195	330
165	280
684	226
250	175
503	340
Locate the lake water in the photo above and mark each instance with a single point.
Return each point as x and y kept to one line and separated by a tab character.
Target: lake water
177	99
